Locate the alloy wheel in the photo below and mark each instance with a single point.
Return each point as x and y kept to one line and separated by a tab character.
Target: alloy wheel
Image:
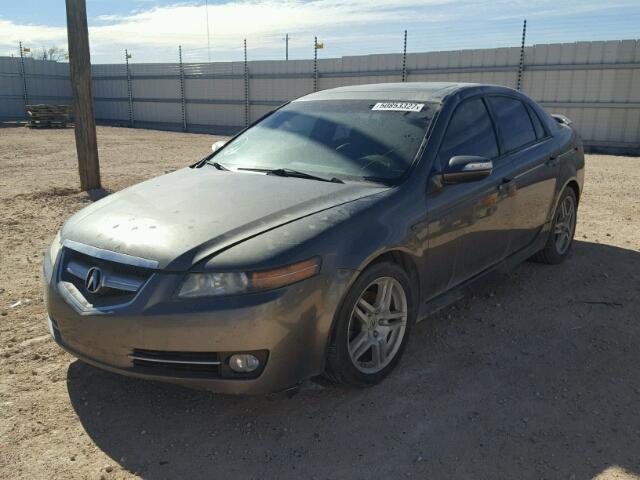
565	224
377	325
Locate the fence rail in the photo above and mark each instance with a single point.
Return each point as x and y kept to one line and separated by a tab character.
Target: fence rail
597	84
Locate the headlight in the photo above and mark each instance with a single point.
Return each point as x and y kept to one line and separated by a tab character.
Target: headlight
55	247
52	254
210	284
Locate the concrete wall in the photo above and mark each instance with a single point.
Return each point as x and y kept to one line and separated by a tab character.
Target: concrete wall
596	84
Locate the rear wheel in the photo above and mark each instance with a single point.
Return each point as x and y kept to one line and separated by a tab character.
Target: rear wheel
562	230
372	326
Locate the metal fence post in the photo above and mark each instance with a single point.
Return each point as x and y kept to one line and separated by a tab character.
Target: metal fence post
129	89
315	64
246	86
521	65
25	92
404	58
182	98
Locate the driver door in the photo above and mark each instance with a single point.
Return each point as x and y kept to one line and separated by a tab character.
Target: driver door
468	222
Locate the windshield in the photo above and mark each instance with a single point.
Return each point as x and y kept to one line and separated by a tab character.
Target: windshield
340	138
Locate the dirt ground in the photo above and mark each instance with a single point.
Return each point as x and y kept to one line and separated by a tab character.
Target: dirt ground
535	376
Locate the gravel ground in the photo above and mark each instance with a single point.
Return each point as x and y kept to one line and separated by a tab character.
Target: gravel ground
537	375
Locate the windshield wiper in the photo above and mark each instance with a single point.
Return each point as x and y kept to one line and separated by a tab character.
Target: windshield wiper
389	182
205	161
288	172
219	166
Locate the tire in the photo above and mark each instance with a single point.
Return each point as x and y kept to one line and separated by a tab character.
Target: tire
555	250
363	320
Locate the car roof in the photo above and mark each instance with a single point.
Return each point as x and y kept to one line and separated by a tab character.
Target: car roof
406	91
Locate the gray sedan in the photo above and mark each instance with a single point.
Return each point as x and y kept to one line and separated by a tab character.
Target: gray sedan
313	241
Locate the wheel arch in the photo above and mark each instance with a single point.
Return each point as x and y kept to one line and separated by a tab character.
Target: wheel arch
402	259
571	183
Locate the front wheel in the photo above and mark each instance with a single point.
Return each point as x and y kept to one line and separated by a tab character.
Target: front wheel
562	230
372	326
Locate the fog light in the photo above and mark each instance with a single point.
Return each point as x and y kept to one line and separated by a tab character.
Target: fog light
243	363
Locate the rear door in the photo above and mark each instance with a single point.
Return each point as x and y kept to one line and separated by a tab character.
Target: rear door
466	221
530	168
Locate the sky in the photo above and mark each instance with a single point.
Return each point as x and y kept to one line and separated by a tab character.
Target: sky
152	29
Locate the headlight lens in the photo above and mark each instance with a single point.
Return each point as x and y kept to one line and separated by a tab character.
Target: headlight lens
210	284
55	247
52	254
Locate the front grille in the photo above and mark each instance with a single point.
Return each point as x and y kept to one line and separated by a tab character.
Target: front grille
192	364
120	282
177	364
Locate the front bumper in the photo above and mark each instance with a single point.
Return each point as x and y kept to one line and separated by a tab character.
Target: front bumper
292	325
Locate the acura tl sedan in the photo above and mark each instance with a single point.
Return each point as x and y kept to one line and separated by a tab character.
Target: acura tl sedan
311	242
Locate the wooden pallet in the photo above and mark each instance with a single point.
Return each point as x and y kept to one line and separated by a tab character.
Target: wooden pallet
48	116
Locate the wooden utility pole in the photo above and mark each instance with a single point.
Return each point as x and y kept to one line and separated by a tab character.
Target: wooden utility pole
83	109
286	47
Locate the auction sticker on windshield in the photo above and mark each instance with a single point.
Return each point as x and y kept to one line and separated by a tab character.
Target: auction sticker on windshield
398	106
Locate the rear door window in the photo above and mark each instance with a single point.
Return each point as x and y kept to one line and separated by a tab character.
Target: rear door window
513	122
469	133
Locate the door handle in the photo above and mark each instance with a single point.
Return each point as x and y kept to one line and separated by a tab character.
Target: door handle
507	187
552	161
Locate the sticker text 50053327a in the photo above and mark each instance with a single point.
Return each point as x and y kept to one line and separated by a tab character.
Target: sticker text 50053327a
398	106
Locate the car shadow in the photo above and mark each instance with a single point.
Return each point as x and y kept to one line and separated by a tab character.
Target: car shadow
534	375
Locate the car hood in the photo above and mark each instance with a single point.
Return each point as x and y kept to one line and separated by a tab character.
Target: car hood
180	218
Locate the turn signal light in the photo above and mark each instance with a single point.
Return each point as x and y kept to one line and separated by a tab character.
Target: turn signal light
280	277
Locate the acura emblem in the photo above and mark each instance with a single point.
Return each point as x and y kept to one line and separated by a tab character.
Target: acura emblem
93	282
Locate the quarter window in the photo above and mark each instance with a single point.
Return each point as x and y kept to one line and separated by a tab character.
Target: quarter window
537	125
513	122
469	133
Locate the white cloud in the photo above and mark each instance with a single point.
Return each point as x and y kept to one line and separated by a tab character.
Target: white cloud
12	33
263	19
153	34
551	8
257	20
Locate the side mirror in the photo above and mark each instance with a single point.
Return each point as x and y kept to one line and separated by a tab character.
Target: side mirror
217	145
466	168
